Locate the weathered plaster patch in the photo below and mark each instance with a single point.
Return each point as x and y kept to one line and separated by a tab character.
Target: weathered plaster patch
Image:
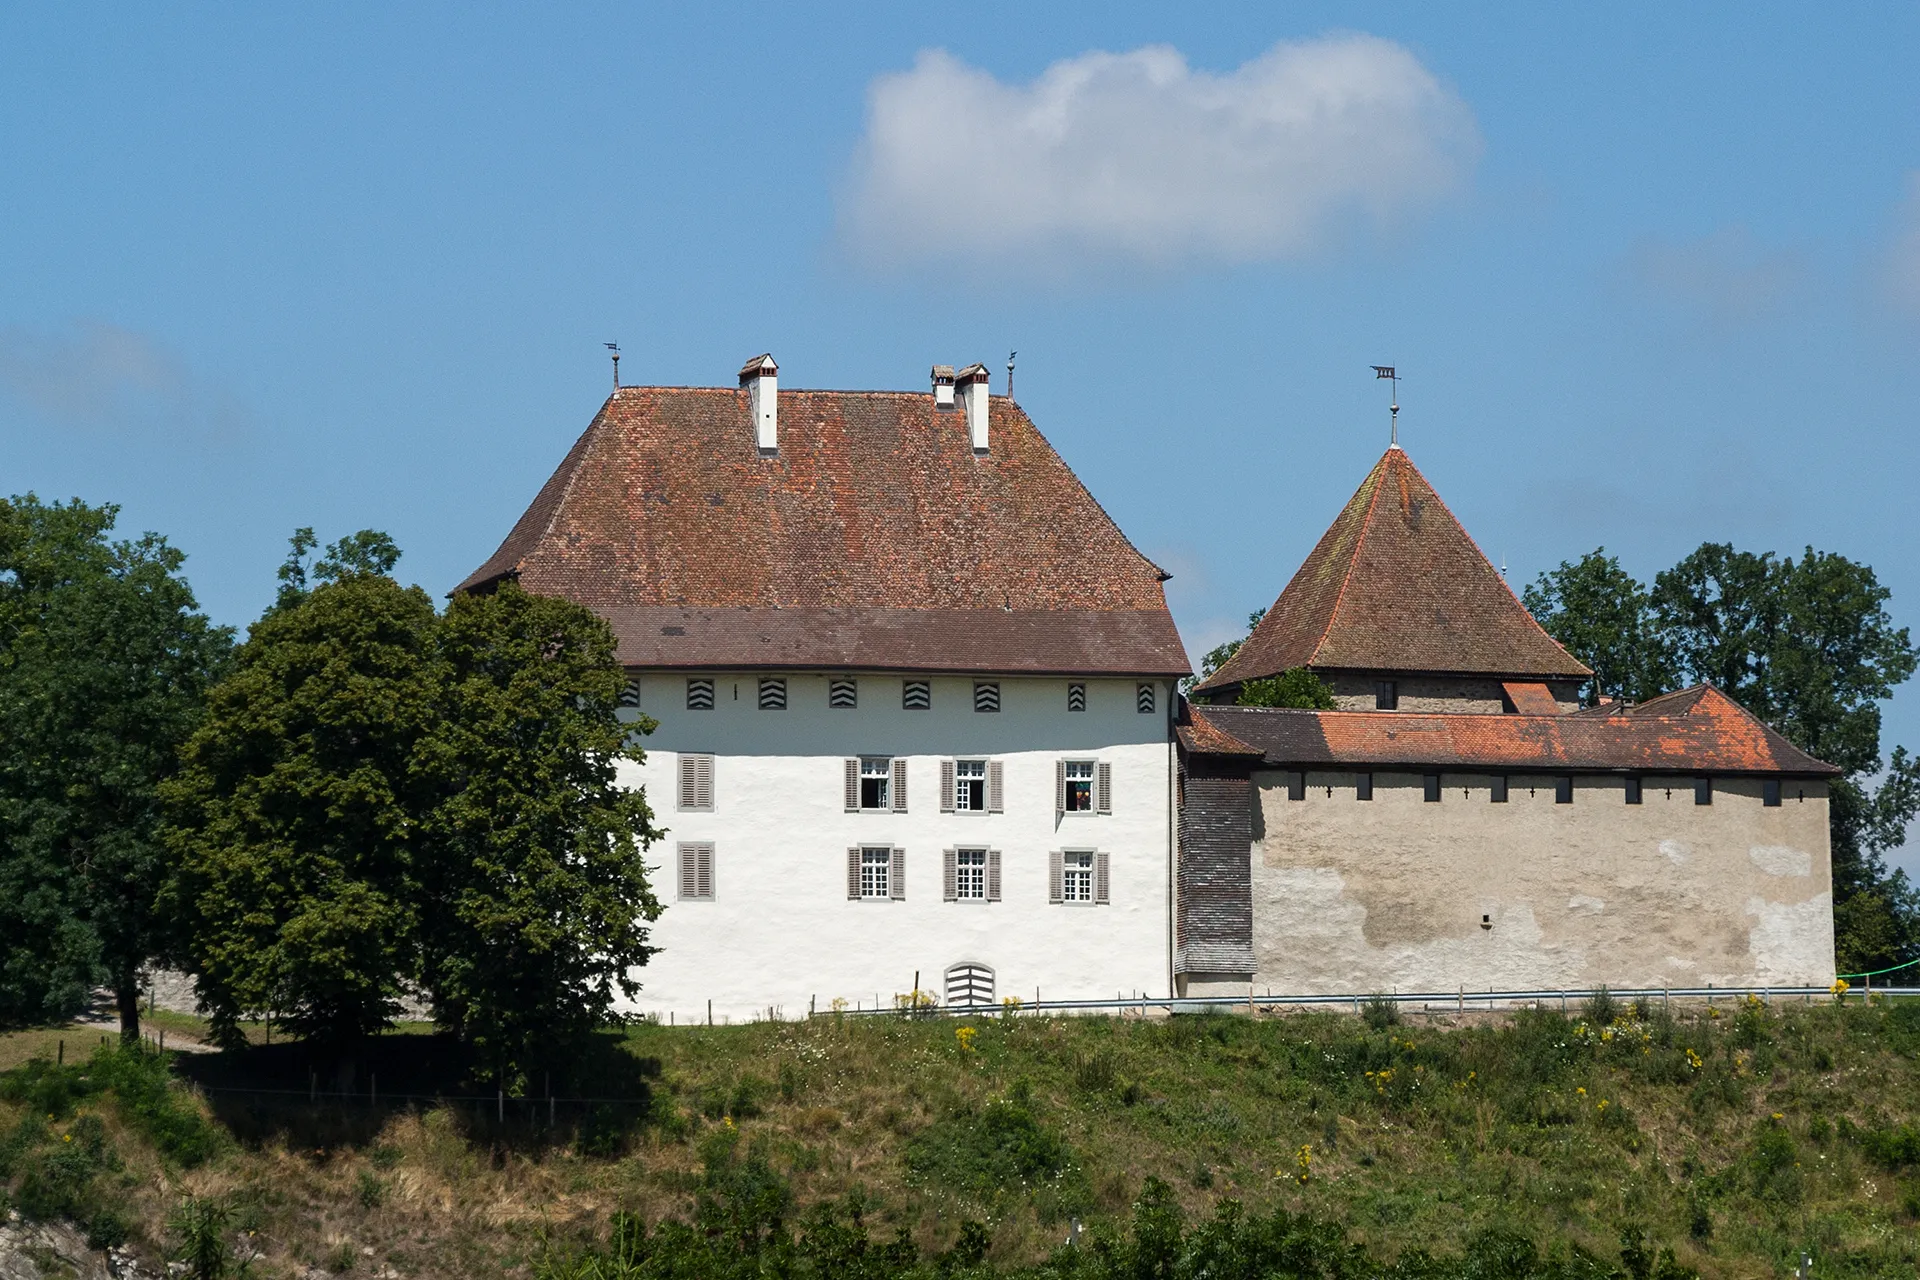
1781	860
1792	942
1582	902
1676	851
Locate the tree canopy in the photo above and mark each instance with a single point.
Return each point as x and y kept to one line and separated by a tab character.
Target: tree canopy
1808	646
386	801
104	661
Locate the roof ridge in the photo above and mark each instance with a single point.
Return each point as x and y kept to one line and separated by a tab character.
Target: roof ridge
1359	544
1471	541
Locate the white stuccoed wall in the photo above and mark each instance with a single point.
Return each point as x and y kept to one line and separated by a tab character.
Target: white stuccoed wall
781	930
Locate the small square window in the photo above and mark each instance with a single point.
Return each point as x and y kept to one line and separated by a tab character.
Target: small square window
1770	793
876	870
916	695
970	786
1143	699
773	693
699	693
1563	790
1432	784
986	695
970	875
1386	695
876	775
843	692
1079	786
1076	697
1633	790
1076	877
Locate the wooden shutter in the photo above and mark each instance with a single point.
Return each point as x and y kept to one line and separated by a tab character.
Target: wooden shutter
853	785
996	793
703	871
689	880
1103	787
1059	786
688	792
946	786
949	875
899	784
703	782
1055	893
897	881
1101	879
853	872
993	875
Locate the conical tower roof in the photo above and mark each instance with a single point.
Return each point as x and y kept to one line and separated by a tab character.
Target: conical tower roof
1397	585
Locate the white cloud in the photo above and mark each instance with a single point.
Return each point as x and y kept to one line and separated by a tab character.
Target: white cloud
1728	277
1138	157
101	375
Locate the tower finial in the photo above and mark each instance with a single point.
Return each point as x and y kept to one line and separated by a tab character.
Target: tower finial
615	348
1010	356
1387	371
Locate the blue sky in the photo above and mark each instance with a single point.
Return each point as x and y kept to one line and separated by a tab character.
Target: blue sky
1652	274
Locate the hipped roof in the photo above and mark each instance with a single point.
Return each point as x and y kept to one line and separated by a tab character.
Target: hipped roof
1397	585
1698	730
876	538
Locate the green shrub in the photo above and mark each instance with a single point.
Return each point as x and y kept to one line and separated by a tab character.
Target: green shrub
1895	1147
1001	1147
1380	1012
142	1089
1600	1009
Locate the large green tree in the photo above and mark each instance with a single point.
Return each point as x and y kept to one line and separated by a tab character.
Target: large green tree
536	900
104	661
384	801
1808	646
296	817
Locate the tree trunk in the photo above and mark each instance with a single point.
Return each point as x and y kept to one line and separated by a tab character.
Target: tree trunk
126	993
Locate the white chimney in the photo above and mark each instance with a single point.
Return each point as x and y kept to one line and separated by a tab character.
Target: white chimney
760	376
943	386
973	394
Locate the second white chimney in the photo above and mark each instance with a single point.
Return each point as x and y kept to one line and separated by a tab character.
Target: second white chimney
761	377
943	386
973	394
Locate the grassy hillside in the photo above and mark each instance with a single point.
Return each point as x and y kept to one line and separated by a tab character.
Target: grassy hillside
1737	1136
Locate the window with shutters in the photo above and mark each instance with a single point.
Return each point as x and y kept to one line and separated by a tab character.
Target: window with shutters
1076	697
876	872
699	693
1143	699
696	782
970	786
843	692
1079	877
970	875
916	695
986	695
773	693
696	871
876	782
1079	785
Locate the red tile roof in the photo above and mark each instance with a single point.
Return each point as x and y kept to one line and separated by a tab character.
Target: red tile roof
1698	730
1531	698
1397	585
874	538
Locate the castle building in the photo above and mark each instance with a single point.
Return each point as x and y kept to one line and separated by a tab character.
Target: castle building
914	693
1460	820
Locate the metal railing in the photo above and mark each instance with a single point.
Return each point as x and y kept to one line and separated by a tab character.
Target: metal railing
1458	1000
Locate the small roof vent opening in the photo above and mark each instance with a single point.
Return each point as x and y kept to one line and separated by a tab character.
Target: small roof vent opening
943	386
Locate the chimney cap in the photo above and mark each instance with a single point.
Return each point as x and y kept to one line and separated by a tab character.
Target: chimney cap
761	366
943	373
975	372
